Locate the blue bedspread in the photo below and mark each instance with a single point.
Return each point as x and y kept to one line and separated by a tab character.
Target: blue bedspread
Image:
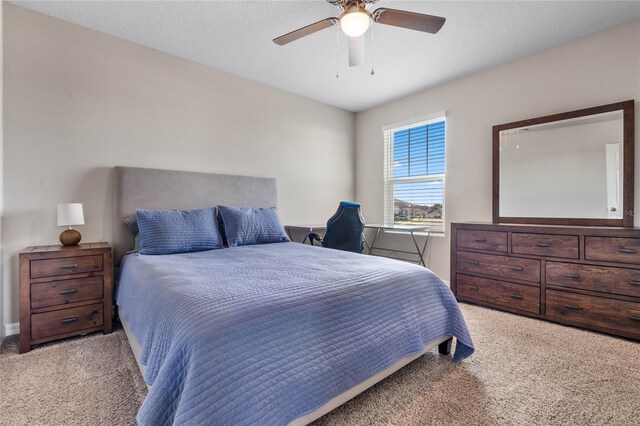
265	334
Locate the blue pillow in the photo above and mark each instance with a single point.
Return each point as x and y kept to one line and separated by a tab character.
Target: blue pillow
177	231
251	225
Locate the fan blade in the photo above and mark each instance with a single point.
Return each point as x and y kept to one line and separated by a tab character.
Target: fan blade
410	20
356	51
305	31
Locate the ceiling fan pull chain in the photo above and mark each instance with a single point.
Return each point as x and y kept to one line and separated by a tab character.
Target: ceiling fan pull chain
337	48
372	49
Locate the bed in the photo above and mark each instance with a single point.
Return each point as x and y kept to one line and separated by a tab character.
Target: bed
266	334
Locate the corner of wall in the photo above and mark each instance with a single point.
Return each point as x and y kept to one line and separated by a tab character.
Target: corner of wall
2	290
354	152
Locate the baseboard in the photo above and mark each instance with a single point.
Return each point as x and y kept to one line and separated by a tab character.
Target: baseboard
11	329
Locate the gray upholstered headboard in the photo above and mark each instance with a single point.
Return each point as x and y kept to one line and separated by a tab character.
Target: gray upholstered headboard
155	189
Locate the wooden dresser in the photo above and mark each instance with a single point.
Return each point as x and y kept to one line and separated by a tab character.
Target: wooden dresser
581	276
64	291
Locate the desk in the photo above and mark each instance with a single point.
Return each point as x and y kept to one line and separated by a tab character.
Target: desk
401	229
307	229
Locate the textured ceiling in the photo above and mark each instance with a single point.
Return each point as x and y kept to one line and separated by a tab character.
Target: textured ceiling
235	36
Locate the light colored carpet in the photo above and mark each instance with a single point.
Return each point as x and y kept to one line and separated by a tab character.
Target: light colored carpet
89	380
524	372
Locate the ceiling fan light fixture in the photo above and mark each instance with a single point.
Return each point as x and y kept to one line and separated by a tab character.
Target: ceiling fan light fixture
355	21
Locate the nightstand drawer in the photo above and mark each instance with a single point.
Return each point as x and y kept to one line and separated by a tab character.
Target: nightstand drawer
65	266
66	291
66	321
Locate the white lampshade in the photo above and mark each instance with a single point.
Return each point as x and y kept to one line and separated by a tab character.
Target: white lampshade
355	23
70	214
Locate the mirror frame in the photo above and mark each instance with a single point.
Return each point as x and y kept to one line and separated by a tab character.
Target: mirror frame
628	168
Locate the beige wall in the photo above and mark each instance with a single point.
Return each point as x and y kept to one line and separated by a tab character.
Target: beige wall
78	102
594	70
2	290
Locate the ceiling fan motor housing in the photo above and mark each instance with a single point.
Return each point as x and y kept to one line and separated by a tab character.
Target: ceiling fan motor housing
346	4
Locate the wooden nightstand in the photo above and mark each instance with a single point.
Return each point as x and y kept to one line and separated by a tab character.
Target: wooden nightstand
64	292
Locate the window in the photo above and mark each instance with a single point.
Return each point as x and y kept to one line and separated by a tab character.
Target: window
415	173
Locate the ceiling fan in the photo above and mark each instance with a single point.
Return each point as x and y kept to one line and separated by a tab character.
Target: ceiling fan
356	19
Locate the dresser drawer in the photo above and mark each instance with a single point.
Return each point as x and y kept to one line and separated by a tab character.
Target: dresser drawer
594	311
625	250
53	293
517	296
546	245
65	266
499	266
66	321
605	279
482	240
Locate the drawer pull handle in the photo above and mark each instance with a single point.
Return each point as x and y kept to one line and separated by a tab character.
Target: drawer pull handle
480	240
544	245
626	250
634	282
634	318
473	262
516	296
68	320
70	291
517	269
470	287
573	307
572	276
69	266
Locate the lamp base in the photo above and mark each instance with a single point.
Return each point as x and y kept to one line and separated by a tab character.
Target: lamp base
70	237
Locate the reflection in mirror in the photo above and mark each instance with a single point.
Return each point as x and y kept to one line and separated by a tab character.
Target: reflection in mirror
563	169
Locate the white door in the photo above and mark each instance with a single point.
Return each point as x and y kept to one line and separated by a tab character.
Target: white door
614	195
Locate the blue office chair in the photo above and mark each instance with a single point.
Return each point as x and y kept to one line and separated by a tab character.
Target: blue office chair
345	229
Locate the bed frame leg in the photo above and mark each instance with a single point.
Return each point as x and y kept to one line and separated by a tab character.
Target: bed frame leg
445	347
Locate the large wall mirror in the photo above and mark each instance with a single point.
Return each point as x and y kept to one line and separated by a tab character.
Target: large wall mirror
573	168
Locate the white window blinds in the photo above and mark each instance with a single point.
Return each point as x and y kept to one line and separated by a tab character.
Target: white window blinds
414	174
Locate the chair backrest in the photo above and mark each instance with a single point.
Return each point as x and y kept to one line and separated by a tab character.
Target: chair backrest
345	229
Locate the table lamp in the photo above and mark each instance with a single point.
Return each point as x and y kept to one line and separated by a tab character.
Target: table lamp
68	215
